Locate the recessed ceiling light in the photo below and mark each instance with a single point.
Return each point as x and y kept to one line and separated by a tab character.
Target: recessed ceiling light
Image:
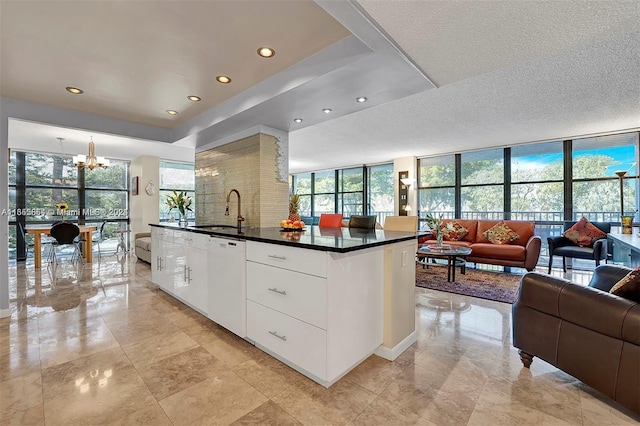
266	52
361	99
75	90
298	120
194	98
223	79
327	110
172	112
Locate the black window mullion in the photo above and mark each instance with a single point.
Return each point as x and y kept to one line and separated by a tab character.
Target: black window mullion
458	186
21	204
567	148
507	183
82	199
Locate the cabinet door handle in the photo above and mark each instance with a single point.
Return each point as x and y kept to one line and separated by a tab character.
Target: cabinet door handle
189	275
275	333
184	273
273	256
275	290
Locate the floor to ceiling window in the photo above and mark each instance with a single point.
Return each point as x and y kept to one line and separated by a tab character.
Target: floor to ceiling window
482	184
39	182
345	191
380	187
179	177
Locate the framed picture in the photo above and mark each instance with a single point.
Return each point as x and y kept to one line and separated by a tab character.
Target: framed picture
134	185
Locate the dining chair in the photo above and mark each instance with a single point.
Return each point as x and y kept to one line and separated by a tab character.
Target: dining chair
362	222
99	237
333	220
401	223
66	234
45	241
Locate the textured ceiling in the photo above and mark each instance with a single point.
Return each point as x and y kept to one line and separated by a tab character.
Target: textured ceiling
506	72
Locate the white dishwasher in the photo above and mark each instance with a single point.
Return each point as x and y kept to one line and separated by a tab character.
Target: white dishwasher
227	304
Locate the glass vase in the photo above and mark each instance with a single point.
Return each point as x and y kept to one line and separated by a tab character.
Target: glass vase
439	239
183	221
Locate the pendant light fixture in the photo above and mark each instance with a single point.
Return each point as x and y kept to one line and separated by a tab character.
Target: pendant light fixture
90	161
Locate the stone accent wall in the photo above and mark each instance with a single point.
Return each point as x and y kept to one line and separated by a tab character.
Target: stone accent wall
249	165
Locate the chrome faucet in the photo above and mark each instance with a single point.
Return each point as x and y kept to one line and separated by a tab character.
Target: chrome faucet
226	210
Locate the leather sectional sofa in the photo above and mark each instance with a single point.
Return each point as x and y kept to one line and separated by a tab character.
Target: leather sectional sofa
585	331
522	253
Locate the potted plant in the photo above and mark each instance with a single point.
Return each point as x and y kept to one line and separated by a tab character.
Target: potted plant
435	224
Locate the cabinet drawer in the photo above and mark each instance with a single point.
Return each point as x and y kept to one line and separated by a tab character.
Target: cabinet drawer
311	262
296	341
298	295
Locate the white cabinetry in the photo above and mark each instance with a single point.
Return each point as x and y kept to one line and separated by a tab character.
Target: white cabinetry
179	265
162	258
227	284
191	273
319	312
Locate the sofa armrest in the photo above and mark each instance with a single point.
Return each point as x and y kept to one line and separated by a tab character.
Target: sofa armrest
600	249
606	276
141	235
532	252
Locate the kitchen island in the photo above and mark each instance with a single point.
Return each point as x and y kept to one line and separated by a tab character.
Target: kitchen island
320	300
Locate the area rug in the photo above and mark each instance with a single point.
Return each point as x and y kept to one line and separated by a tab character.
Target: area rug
499	286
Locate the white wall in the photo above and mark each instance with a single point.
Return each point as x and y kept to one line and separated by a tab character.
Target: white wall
144	208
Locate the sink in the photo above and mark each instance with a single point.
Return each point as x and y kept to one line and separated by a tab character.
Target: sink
215	227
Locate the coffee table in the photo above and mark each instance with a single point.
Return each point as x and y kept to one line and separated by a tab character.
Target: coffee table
454	255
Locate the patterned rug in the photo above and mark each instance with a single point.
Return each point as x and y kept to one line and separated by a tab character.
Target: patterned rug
499	286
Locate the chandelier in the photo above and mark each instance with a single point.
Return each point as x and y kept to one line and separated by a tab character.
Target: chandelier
90	161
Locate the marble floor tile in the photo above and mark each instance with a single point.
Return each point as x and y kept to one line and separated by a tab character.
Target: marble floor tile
219	400
155	348
77	376
128	353
105	399
19	363
59	345
313	404
268	414
20	393
178	372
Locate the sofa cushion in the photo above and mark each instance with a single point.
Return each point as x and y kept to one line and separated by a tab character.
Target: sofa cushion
470	225
584	233
500	233
453	231
498	251
525	229
629	286
144	243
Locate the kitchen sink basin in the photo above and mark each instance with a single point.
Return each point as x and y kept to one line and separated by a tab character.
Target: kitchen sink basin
215	227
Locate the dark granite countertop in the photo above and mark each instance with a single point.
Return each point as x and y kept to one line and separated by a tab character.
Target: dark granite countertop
341	240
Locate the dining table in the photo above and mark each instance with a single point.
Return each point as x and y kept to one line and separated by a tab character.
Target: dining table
37	232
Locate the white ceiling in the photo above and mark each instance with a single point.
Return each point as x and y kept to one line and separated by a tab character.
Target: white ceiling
507	72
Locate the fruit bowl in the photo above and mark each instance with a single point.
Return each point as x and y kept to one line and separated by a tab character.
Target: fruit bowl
292	225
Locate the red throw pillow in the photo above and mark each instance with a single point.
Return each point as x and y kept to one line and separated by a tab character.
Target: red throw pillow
584	233
453	231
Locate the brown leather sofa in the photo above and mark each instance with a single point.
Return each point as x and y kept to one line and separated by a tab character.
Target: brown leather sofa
585	331
522	253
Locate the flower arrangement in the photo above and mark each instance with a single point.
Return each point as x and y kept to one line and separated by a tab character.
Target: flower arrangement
181	201
435	224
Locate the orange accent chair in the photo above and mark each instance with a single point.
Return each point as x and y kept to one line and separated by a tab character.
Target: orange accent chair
330	220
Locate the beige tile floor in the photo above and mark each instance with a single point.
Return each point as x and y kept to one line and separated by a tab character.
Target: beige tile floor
105	346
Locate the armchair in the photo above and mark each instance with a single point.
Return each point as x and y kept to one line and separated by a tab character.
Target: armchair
561	246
